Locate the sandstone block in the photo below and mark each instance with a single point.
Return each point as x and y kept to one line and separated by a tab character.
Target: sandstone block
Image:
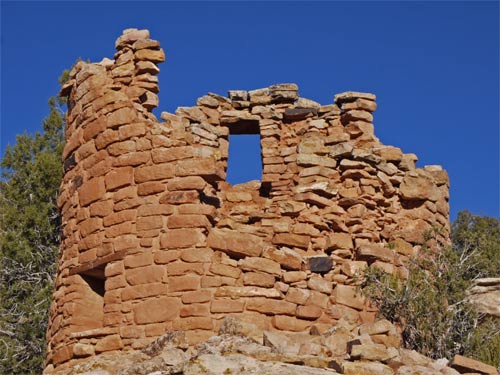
139	260
366	368
180	268
371	352
197	296
183	283
289	323
149	222
154	172
373	252
419	188
113	342
298	295
289	239
91	191
247	291
309	312
188	221
178	238
271	306
287	258
258	279
226	306
125	115
194	309
157	310
180	197
352	268
319	284
145	275
83	350
339	241
187	183
143	291
260	264
197	255
155	56
193	323
149	188
225	270
349	296
235	243
464	364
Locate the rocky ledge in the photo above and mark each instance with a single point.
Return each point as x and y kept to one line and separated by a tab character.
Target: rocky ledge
241	348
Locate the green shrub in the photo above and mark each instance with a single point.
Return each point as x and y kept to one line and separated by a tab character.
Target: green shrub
429	306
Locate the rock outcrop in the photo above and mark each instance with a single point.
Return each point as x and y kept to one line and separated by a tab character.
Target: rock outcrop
485	296
243	349
154	239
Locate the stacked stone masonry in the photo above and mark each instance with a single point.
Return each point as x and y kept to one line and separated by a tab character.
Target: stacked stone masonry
154	239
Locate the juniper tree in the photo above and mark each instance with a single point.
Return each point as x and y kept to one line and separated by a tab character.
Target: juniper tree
29	241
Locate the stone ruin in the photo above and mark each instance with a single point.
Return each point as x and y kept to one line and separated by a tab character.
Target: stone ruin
155	239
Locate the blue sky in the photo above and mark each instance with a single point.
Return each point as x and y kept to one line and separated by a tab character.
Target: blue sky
433	65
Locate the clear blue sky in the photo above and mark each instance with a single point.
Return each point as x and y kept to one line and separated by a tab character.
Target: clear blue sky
433	65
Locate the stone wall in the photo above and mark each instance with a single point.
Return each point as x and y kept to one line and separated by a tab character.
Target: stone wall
154	239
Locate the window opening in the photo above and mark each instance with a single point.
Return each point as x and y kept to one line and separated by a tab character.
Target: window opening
89	303
245	161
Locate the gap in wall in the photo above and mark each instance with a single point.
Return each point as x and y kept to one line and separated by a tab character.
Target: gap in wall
245	158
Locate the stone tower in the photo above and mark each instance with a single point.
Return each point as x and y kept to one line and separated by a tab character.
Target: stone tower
154	239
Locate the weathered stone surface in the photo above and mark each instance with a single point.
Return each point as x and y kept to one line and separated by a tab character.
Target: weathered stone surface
418	188
464	364
366	368
234	243
156	310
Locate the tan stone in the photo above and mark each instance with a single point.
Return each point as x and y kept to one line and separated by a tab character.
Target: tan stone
235	243
194	309
258	279
226	306
149	222
287	258
183	283
375	251
91	191
193	323
157	310
83	350
319	284
366	368
113	342
289	239
149	188
187	183
154	172
188	221
178	238
271	306
197	296
349	296
418	188
289	323
225	270
309	312
197	255
145	275
155	56
371	352
180	268
298	295
260	264
465	364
